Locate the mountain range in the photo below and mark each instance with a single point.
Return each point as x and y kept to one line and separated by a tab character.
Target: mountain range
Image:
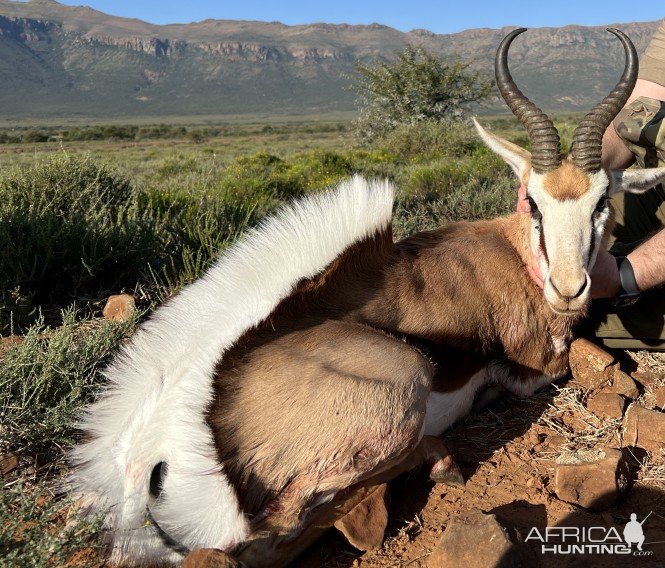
63	61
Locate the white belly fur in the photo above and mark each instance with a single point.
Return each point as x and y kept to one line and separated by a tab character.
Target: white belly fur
446	408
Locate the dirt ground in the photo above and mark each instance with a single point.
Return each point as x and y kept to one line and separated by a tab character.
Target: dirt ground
508	454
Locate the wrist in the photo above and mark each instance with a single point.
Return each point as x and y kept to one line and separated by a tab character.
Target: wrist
636	266
630	291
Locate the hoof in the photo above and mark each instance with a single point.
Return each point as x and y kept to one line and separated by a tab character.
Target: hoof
446	471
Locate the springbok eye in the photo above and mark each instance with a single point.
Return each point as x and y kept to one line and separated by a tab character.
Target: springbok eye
535	212
601	205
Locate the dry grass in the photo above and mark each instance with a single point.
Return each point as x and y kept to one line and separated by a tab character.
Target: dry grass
654	360
652	470
583	431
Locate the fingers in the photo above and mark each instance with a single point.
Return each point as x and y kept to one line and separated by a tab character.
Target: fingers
522	201
535	274
533	268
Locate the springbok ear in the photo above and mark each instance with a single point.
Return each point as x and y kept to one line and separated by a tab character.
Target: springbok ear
517	158
637	180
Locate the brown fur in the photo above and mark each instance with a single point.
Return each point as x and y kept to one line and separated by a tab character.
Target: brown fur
331	388
567	181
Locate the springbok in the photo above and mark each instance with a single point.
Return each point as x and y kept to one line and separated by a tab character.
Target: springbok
318	357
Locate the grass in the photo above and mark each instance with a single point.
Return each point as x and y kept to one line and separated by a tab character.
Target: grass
40	529
45	378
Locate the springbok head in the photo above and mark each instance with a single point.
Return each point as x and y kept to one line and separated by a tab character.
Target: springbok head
568	194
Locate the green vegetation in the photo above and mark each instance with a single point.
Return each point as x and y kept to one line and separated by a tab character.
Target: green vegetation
417	87
27	512
74	227
133	132
46	377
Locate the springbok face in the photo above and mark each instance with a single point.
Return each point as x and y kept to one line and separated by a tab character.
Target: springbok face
568	195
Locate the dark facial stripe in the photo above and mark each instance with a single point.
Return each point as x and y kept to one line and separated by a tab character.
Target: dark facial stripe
543	247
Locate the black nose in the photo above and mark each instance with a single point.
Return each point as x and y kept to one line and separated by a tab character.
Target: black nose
577	294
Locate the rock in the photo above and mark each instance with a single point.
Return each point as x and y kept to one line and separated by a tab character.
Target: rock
478	540
622	384
119	308
591	367
555	441
364	526
645	377
8	463
644	428
210	558
593	485
659	396
607	405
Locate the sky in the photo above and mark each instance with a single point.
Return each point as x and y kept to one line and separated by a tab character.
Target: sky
446	16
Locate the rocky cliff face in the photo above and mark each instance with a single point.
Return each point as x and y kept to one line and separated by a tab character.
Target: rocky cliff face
231	50
62	60
25	30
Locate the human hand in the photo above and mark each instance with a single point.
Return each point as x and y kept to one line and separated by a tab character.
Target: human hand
605	280
522	201
533	267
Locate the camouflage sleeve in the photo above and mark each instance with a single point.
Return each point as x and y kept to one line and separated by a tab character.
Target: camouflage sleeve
641	126
652	63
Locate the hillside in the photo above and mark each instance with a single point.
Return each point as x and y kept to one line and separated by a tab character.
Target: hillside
61	61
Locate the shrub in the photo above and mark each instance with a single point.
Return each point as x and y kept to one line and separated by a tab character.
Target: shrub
40	530
193	230
429	138
68	227
417	86
476	199
45	379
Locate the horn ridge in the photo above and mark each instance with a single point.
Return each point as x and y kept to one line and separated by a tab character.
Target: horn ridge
542	133
586	149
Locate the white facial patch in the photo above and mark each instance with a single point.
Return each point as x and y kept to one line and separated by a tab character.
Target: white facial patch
572	228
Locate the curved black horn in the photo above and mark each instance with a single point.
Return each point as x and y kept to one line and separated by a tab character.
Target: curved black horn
588	137
542	133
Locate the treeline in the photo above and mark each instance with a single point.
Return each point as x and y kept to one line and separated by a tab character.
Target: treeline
161	131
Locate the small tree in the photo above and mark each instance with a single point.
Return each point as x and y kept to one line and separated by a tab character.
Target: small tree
417	86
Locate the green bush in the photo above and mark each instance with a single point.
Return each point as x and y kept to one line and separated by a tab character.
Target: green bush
268	179
429	138
476	199
418	86
40	530
192	229
46	378
175	165
68	227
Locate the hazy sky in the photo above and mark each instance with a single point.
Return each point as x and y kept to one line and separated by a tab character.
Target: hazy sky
441	17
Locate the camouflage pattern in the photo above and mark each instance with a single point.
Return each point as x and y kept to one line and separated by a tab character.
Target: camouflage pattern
641	126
